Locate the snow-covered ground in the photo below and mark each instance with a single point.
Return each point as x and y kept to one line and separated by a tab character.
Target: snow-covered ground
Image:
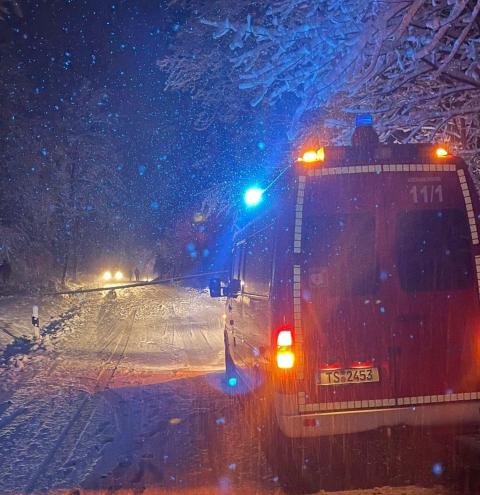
123	394
16	330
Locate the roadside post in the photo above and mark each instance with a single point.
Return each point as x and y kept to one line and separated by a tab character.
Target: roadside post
35	322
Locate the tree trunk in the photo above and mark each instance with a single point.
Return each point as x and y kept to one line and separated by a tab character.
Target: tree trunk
74	250
72	243
75	267
65	268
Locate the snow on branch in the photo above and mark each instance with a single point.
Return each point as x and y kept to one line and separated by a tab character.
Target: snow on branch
415	62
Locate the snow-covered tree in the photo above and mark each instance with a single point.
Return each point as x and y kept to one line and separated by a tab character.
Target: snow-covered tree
62	189
9	7
413	63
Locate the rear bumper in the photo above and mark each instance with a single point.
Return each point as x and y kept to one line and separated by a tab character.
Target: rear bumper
346	422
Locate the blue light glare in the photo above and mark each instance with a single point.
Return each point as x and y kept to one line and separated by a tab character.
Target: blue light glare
437	469
253	196
232	381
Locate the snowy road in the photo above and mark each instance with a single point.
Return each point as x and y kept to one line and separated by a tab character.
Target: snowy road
124	395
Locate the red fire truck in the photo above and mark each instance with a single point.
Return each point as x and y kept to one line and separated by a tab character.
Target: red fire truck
356	291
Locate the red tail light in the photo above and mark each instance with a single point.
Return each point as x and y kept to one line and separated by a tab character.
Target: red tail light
362	364
285	352
330	366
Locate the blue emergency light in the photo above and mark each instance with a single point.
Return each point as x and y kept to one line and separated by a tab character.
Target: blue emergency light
253	196
363	120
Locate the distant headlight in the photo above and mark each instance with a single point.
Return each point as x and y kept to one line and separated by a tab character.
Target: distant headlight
107	276
118	276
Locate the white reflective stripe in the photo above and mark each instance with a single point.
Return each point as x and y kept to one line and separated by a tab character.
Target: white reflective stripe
376	403
468	205
322	171
297	325
477	269
297	243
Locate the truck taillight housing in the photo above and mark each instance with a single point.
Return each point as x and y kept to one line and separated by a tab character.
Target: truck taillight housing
285	353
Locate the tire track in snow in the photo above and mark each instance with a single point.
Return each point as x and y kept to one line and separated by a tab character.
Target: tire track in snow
23	393
17	412
104	376
81	444
25	432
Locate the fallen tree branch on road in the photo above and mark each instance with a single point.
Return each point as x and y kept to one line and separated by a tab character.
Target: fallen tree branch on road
136	284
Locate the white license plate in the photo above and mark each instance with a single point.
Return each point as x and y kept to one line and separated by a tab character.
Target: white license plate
347	376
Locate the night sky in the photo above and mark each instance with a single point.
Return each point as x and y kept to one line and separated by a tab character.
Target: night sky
115	45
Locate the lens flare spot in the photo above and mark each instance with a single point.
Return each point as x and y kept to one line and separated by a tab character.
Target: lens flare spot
437	469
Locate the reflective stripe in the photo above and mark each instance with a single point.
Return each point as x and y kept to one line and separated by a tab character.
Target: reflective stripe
303	406
425	167
297	243
468	205
297	325
477	269
297	307
376	403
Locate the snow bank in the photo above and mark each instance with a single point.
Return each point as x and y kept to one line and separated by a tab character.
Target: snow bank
18	345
